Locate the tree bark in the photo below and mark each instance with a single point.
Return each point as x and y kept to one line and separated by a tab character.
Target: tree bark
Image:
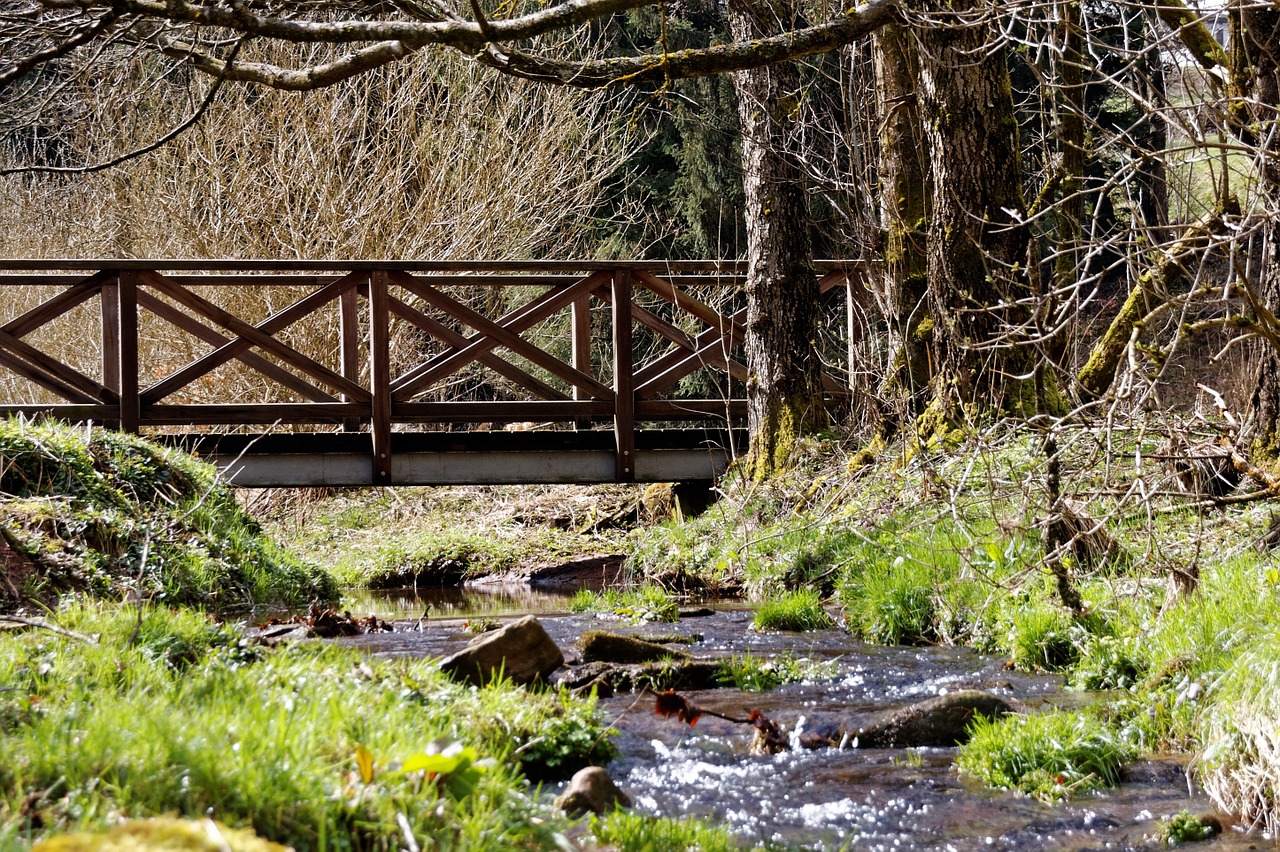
904	215
784	384
1255	115
977	245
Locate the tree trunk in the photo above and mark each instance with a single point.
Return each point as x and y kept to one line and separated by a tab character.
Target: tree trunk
785	380
904	212
977	247
1256	119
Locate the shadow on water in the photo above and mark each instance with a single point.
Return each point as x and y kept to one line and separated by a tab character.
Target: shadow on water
875	799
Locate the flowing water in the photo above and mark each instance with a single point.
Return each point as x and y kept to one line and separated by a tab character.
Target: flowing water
890	799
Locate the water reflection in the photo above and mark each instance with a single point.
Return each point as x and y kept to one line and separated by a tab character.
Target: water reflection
456	602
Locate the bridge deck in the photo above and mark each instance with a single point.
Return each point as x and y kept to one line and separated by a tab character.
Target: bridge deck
465	458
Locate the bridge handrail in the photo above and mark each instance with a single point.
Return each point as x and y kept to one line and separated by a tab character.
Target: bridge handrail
687	267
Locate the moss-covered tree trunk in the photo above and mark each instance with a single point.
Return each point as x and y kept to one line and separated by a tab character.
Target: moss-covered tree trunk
785	380
904	214
1256	119
977	247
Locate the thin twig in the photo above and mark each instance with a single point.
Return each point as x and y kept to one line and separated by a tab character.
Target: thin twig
44	625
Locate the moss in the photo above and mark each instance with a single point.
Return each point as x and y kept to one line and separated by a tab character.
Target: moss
1096	375
107	515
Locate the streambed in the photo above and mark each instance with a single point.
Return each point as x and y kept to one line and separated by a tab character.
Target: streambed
873	799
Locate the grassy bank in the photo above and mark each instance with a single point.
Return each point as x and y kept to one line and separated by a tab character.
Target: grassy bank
1179	608
433	536
313	746
90	512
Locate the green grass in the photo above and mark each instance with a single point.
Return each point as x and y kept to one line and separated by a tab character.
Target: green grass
103	514
751	673
314	746
639	604
798	611
629	832
1050	755
431	536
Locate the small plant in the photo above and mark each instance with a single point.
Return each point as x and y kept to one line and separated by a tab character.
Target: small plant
642	604
1042	637
895	606
799	611
1186	827
750	673
628	832
1050	756
480	625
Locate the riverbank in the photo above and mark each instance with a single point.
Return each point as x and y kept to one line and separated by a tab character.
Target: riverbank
1173	631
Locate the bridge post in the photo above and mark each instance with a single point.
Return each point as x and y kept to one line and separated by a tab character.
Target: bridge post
581	321
624	395
349	346
380	376
125	356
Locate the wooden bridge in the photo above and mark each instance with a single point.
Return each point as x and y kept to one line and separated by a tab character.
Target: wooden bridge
392	372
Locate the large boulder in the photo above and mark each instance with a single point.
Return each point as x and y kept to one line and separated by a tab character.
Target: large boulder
592	789
601	646
941	721
521	651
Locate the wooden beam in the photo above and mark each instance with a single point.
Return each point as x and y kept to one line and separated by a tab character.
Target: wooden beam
380	376
35	375
501	411
690	305
490	334
127	312
707	338
624	424
349	345
199	330
90	390
449	337
52	308
250	335
243	414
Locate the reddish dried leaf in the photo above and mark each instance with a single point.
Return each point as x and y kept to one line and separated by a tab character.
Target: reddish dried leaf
671	703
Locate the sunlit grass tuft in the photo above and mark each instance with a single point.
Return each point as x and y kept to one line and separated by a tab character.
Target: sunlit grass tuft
798	611
1050	755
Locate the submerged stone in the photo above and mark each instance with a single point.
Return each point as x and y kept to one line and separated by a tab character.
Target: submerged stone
601	646
940	721
592	789
521	651
669	674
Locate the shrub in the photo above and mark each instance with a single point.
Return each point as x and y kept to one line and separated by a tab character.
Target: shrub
629	832
894	607
750	673
1242	737
641	604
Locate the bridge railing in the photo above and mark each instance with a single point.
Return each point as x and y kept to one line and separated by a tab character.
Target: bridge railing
374	346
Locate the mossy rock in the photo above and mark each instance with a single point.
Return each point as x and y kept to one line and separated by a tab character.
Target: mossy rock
941	721
605	647
162	835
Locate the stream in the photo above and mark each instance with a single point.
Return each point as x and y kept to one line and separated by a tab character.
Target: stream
873	799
